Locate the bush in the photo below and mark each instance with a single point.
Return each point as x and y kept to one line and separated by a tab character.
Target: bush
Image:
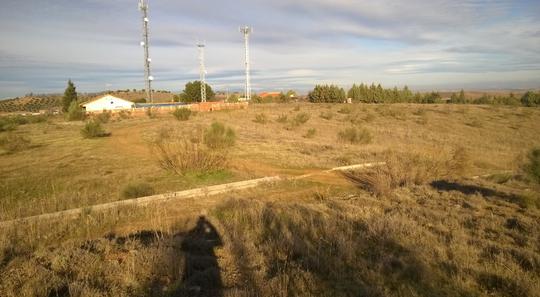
137	190
219	137
75	112
182	114
301	118
103	117
532	166
13	143
282	118
261	118
310	133
183	156
93	129
355	135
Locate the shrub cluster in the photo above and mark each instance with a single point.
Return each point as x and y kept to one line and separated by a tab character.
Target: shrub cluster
355	135
219	137
93	129
75	112
182	114
400	170
136	190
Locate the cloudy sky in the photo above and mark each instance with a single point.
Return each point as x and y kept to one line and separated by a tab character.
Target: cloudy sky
426	44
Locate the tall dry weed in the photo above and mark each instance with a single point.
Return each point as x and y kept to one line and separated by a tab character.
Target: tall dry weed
402	170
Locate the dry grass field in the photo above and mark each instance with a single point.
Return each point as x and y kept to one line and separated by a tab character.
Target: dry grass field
420	225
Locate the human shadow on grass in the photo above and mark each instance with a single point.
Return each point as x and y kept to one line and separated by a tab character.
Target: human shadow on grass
447	186
201	276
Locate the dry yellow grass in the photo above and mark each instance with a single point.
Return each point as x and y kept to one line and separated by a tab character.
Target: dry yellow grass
326	237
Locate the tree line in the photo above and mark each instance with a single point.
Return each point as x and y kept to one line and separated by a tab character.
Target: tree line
377	94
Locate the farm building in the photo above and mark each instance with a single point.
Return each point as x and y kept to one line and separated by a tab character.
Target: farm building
107	102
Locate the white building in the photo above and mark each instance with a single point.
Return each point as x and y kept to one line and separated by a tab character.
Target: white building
107	102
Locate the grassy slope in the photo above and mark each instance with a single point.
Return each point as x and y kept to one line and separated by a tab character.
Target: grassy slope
321	238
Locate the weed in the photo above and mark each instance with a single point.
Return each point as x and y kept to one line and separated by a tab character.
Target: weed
182	114
310	133
103	117
150	113
301	119
327	115
355	135
93	129
123	114
136	190
219	137
531	168
345	109
282	118
261	118
184	156
13	143
296	108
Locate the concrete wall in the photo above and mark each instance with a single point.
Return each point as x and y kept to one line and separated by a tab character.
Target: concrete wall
201	107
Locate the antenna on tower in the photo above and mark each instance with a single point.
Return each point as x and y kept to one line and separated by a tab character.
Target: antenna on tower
148	78
202	71
247	31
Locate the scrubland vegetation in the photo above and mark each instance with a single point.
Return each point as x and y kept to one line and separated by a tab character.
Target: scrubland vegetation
452	211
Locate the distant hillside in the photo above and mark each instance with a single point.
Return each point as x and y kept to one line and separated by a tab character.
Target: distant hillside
46	102
29	104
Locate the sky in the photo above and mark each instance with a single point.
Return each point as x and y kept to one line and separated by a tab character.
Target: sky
425	44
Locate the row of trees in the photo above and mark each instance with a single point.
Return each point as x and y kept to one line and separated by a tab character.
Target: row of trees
369	94
377	94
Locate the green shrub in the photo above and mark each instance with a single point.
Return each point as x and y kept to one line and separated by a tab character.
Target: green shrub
75	112
355	135
282	118
261	118
93	129
301	118
103	117
531	168
219	137
182	114
13	143
310	133
136	190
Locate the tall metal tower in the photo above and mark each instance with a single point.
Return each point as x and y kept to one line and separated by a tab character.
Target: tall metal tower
247	31
148	78
202	71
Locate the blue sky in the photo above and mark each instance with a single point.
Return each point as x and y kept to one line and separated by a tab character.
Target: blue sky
435	44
